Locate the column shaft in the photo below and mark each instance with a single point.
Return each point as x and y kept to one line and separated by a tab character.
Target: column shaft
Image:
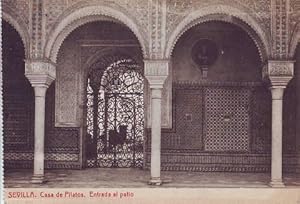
39	134
276	165
41	73
155	135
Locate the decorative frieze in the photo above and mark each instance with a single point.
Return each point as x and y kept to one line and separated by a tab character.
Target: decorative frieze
48	156
194	161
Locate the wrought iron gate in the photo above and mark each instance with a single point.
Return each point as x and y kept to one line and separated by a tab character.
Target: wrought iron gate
115	117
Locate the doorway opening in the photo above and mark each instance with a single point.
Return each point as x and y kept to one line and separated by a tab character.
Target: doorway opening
115	114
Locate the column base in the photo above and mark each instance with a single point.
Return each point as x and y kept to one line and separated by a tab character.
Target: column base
277	184
155	181
38	179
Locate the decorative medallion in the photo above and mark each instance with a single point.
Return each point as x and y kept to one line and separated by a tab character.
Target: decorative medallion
204	54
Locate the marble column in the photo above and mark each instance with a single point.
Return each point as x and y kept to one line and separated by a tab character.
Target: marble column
40	74
276	162
279	73
156	71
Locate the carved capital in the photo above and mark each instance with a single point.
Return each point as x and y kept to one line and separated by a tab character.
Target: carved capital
156	71
279	72
40	72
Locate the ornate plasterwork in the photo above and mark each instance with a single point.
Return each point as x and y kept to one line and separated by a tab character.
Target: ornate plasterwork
138	9
20	8
294	25
281	68
97	54
40	73
156	71
19	23
280	13
295	39
226	13
37	32
85	15
279	72
177	9
158	27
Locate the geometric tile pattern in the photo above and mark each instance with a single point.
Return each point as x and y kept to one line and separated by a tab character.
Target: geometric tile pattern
227	119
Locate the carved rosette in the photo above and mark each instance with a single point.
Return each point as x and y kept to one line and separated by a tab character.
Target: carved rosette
40	73
156	71
279	72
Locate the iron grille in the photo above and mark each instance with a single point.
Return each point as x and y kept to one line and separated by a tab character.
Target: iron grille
115	116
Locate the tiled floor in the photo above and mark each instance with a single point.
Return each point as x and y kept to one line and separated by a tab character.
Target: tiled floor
98	178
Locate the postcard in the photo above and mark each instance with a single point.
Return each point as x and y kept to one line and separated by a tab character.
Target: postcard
150	101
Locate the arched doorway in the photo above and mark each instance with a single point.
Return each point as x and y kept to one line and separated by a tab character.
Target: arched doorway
221	107
18	102
91	59
115	113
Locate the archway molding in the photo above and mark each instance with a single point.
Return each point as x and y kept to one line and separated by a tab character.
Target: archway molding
20	27
295	39
100	54
78	17
222	13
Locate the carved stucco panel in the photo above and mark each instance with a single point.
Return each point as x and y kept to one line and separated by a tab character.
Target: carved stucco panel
16	13
138	9
21	8
166	104
280	72
178	9
281	68
67	88
294	24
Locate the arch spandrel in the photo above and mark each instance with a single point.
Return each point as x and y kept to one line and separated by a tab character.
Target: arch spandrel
222	13
295	39
78	17
20	28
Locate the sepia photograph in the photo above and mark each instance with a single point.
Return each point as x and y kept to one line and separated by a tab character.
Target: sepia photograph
150	101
